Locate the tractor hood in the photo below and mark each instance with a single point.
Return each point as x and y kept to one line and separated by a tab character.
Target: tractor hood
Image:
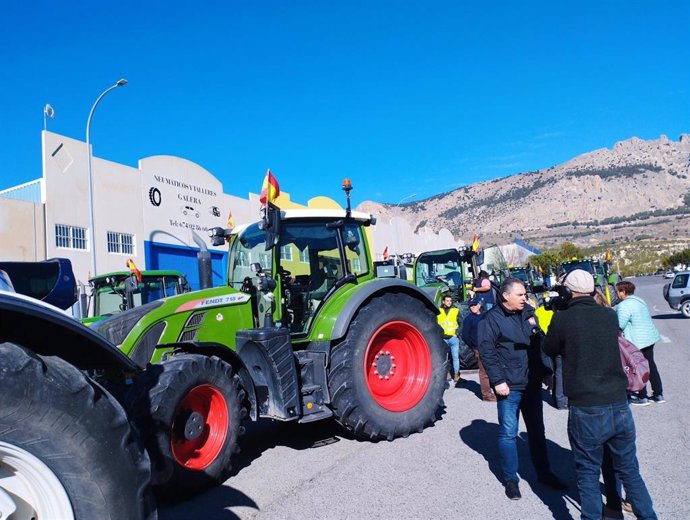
117	327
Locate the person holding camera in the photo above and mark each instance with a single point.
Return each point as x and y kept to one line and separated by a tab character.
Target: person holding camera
510	350
585	334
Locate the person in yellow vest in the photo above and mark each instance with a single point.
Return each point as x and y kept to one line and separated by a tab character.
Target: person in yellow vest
448	320
560	401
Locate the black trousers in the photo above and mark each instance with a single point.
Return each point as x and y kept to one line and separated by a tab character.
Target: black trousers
654	377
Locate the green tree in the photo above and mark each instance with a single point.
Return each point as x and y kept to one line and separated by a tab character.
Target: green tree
681	257
546	261
569	250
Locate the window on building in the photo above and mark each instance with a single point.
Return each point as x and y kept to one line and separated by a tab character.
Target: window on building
286	253
122	243
70	237
265	261
304	255
356	265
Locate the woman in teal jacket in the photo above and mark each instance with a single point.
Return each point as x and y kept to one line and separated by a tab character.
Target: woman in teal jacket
636	323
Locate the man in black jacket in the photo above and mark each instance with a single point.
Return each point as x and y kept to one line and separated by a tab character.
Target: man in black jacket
585	334
510	349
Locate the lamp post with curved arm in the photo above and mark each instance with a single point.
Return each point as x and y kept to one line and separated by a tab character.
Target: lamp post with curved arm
92	232
412	196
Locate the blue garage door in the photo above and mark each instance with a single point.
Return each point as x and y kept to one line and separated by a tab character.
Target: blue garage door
184	259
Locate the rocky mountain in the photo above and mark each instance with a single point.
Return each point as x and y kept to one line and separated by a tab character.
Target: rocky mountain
639	189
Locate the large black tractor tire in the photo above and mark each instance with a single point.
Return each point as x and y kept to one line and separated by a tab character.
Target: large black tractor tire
66	446
188	409
387	376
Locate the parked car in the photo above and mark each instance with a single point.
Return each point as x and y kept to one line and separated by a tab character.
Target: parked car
677	293
669	274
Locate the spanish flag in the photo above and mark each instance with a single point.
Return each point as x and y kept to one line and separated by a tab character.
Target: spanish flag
270	189
385	253
231	221
133	269
475	243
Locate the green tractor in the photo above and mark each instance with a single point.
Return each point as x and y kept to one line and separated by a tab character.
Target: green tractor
121	290
306	329
452	271
532	278
604	277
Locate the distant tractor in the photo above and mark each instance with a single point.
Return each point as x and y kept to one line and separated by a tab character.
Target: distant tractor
532	278
304	330
604	277
122	290
453	271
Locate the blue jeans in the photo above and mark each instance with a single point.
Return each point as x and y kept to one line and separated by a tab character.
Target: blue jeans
529	402
454	344
590	429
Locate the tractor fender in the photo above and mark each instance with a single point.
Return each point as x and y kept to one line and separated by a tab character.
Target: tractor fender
372	289
230	357
49	331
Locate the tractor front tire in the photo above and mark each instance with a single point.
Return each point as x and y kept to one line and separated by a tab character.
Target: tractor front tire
66	447
387	376
189	409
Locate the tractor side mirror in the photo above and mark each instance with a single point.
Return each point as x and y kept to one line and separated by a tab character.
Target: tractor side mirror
480	257
218	235
271	225
132	284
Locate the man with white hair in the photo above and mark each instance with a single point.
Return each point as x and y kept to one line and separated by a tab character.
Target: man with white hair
585	334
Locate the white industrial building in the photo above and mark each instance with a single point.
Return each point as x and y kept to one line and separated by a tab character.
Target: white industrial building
149	213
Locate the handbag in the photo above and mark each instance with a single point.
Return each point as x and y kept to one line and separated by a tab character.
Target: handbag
635	365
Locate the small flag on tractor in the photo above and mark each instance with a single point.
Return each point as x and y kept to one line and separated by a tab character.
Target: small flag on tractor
133	269
385	253
231	221
475	243
270	190
608	256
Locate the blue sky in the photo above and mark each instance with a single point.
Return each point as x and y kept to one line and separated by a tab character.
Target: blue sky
402	97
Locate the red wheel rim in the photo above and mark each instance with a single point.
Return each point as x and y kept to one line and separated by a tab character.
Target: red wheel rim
209	409
397	366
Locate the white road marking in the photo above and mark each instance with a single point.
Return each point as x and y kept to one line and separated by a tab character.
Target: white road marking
664	339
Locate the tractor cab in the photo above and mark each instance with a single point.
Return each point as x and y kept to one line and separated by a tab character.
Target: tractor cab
453	271
604	278
441	272
316	252
122	290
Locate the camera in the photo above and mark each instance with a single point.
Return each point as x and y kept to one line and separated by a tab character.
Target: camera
557	298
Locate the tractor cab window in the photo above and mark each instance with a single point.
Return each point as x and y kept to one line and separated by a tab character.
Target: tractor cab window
440	269
355	254
108	299
248	247
308	268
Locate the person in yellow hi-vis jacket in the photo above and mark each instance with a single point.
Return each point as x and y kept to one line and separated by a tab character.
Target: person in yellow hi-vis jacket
448	320
560	401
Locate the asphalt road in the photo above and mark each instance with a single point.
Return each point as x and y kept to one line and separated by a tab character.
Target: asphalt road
290	471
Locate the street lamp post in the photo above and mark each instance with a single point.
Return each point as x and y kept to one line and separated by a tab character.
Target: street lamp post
412	196
92	232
